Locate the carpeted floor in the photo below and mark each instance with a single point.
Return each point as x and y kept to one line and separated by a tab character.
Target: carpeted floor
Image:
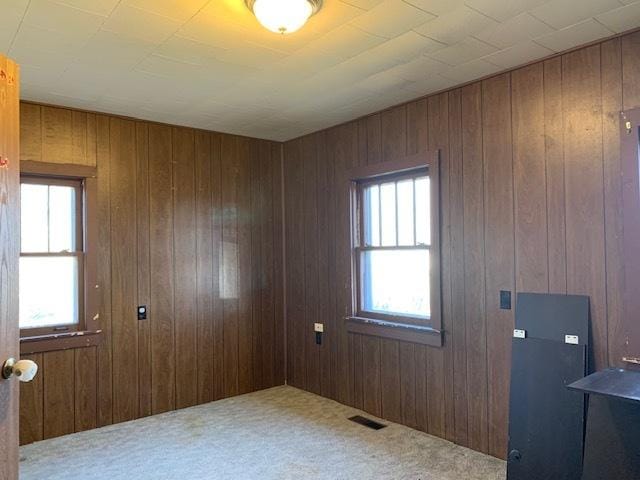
280	433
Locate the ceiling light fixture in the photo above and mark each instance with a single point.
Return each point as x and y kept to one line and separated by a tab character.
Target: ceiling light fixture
283	16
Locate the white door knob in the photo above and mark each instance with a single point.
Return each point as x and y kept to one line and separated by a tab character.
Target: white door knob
24	370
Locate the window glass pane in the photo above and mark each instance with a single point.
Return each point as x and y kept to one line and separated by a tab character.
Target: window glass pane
62	218
423	211
372	216
388	213
33	218
405	212
48	291
396	282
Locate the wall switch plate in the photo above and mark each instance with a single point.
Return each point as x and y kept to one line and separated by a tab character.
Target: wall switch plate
505	299
519	333
142	312
571	339
318	327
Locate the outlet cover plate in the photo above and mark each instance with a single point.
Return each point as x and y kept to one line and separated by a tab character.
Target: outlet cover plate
571	339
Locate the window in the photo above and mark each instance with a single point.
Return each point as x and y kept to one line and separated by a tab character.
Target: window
51	254
396	252
56	264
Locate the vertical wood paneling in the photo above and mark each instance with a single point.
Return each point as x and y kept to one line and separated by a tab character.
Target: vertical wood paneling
529	179
531	202
31	404
257	276
355	345
294	237
30	132
310	246
374	138
611	66
85	400
499	252
143	267
439	393
67	136
408	384
458	335
619	339
185	264
105	358
273	268
59	397
420	359
163	355
245	263
345	155
372	397
204	267
123	269
390	378
160	225
630	71
230	263
394	133
418	125
623	342
555	174
57	134
474	263
277	192
582	104
325	283
217	262
268	327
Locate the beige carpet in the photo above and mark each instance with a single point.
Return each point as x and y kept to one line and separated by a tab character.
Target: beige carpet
280	433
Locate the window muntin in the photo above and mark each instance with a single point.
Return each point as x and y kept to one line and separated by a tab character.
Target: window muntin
52	257
393	251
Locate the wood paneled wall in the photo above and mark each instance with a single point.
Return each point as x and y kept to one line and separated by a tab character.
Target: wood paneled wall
190	224
530	202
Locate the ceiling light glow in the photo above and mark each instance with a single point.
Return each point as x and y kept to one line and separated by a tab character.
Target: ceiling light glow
283	16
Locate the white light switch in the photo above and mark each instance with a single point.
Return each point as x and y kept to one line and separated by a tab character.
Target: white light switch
318	327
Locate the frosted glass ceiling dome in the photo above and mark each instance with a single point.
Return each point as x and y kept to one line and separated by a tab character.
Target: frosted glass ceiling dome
283	16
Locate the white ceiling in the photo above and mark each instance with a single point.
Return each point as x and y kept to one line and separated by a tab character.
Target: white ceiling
209	64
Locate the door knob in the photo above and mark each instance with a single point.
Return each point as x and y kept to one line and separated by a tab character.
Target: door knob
24	370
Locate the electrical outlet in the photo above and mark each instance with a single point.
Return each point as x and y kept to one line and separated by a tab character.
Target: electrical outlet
571	339
318	327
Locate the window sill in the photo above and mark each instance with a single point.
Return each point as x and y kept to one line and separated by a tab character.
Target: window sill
60	341
398	331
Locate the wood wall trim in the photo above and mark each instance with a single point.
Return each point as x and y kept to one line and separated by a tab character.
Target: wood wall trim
397	165
89	334
404	332
62	341
67	170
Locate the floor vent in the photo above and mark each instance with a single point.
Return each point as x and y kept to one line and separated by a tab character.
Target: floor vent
367	422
